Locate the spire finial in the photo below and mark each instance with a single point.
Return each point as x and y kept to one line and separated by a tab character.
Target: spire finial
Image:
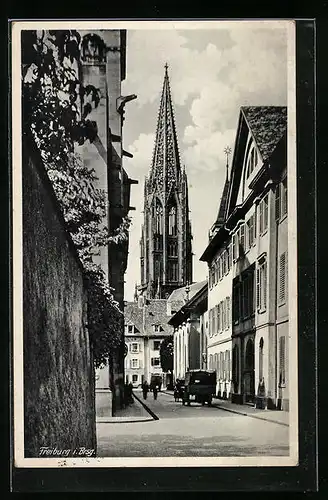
227	151
166	67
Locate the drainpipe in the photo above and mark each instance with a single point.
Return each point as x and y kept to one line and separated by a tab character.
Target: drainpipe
276	307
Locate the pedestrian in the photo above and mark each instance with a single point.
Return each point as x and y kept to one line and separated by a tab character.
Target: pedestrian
155	391
145	389
130	390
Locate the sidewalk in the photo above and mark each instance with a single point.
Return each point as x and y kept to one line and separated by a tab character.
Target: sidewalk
135	412
276	416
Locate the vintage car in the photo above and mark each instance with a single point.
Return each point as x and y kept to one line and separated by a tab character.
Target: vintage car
200	386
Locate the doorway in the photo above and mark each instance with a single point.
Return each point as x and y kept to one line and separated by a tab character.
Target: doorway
249	373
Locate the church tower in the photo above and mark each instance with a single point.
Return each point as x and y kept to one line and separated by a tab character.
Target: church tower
165	245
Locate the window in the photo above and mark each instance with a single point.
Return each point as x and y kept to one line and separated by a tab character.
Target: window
235	247
155	361
241	239
282	277
134	363
228	313
282	357
236	311
173	221
173	249
250	238
134	347
157	344
134	378
229	256
227	365
261	286
264	214
130	328
173	271
158	216
158	328
251	162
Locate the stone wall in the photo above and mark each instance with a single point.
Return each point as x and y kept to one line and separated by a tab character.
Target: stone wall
59	400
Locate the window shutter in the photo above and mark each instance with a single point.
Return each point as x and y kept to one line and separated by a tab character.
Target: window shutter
282	277
228	312
277	207
255	224
264	285
266	201
258	288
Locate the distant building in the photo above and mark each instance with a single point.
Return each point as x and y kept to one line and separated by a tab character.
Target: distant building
247	255
145	328
165	244
190	328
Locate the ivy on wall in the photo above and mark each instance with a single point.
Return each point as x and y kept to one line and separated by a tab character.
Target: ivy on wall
56	106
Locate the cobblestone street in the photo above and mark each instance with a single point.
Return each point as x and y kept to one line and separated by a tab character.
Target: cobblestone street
195	430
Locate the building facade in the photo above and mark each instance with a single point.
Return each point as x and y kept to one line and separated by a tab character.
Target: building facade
104	67
145	328
253	239
165	244
190	328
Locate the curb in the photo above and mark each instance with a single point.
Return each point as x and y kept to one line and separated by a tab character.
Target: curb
242	413
155	417
117	421
252	416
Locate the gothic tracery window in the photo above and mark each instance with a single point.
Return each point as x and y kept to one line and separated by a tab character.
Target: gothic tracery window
158	216
172	221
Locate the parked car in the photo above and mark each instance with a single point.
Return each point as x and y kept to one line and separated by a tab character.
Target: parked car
200	386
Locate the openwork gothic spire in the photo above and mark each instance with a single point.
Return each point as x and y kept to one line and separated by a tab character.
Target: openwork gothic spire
165	169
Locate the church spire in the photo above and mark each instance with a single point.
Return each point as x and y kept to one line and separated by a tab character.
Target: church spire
165	169
166	253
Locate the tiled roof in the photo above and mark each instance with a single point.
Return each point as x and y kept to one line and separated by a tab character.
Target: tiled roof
268	125
154	314
178	297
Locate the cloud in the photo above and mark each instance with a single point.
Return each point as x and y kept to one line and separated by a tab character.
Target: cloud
142	150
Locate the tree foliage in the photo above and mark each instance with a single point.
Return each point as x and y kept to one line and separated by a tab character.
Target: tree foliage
166	354
56	106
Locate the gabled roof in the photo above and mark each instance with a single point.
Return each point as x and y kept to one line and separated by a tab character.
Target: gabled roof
179	296
144	319
193	304
267	124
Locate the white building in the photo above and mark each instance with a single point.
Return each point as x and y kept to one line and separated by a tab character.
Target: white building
145	329
251	236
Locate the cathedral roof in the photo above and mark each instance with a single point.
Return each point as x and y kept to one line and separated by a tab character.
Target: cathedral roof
165	168
178	297
144	319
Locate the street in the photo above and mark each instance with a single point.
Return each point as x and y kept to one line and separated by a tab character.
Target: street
195	430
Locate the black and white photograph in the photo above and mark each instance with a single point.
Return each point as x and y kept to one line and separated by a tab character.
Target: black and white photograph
154	244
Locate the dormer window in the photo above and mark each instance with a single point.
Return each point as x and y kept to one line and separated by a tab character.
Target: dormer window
251	162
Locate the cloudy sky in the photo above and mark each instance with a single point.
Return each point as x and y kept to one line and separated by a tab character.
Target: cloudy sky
212	73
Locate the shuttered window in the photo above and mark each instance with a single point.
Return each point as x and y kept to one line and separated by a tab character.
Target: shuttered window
263	206
282	278
261	286
242	238
228	312
284	203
